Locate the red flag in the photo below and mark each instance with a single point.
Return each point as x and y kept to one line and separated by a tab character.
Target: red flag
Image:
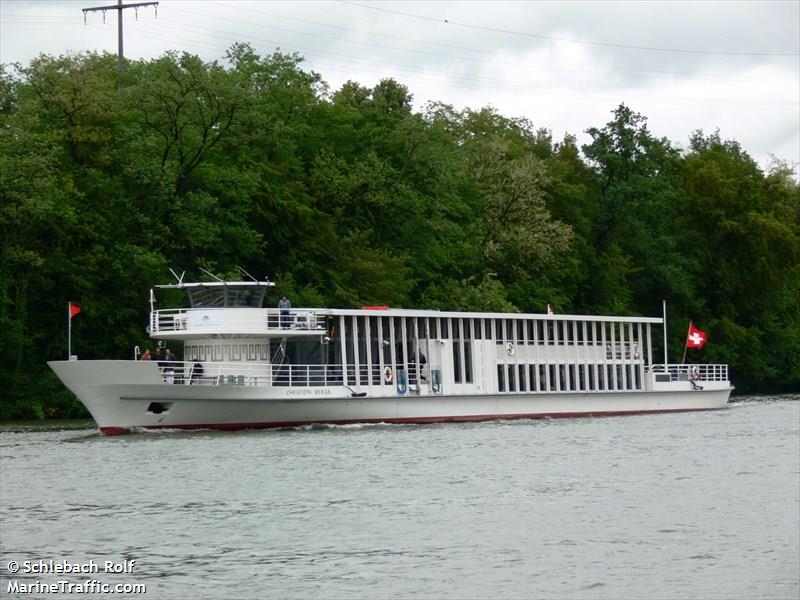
695	338
74	309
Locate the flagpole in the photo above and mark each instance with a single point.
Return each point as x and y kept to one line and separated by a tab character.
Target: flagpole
685	345
664	302
69	329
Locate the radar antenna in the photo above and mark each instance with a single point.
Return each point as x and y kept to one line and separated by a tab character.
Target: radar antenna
175	275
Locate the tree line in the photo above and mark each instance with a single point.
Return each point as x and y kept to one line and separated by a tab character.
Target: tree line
351	197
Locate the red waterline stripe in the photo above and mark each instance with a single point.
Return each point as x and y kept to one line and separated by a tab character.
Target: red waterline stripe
405	420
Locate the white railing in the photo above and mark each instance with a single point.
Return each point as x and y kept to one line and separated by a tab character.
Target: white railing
376	376
684	372
236	320
283	375
628	350
242	373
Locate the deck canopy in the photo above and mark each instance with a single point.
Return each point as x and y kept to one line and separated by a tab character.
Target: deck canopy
224	294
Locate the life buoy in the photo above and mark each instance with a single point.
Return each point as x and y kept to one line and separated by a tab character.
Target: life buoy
510	348
695	373
388	376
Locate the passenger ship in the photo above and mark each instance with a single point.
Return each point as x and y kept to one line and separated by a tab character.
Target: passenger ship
246	366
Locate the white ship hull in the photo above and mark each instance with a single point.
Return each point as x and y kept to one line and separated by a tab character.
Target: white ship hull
120	396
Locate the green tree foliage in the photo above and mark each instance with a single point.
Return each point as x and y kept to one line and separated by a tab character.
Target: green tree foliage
519	235
742	232
352	197
636	257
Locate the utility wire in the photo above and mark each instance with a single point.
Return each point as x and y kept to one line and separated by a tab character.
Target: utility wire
560	39
616	71
629	71
460	81
447	78
605	71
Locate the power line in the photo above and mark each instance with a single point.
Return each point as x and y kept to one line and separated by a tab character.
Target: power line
560	39
627	72
594	71
346	62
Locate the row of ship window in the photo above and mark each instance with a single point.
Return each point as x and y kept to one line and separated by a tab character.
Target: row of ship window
517	330
567	378
225	352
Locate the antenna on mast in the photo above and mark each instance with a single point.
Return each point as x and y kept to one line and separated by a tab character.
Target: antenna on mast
175	275
211	275
246	273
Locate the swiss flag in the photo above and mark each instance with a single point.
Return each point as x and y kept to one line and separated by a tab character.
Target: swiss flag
74	309
695	338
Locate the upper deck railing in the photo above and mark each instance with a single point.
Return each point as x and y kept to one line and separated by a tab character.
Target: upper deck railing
684	372
281	375
200	321
311	375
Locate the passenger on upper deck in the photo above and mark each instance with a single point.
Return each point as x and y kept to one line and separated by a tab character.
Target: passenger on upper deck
169	369
285	305
197	372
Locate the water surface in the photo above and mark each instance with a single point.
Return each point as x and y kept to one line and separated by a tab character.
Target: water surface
684	505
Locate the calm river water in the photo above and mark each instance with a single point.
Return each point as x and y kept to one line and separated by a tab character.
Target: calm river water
689	505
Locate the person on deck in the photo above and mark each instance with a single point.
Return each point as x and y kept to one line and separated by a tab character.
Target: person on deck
169	368
145	355
285	306
197	372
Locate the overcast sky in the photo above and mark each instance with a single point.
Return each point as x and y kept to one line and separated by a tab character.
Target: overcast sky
732	66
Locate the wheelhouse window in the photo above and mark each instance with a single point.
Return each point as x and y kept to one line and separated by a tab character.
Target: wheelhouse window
226	296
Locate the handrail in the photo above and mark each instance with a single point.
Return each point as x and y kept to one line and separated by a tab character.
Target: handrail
629	349
692	372
243	373
281	375
250	320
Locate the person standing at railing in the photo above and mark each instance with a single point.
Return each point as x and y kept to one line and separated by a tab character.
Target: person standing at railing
285	306
169	368
160	359
197	372
145	355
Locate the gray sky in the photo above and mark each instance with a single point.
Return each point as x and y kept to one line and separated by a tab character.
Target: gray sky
562	65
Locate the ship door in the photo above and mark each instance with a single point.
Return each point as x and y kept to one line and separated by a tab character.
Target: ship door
435	366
